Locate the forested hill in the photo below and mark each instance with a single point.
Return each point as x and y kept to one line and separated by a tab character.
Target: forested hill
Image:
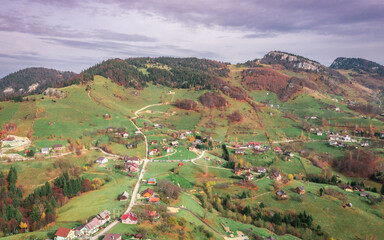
168	71
359	65
31	80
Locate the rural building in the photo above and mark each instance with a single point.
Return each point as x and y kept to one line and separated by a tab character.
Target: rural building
191	148
152	181
154	142
277	149
154	200
125	135
152	215
188	132
104	217
348	188
238	171
183	136
57	147
45	150
276	176
102	160
168	149
239	151
112	236
300	190
124	196
129	218
147	193
365	144
88	228
111	129
131	159
175	143
248	176
364	194
260	169
181	164
137	132
153	152
247	169
207	158
319	133
281	194
64	234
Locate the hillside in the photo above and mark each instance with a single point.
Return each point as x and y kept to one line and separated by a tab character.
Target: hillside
31	80
203	129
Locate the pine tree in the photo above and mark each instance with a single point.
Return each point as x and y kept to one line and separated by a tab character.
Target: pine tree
35	214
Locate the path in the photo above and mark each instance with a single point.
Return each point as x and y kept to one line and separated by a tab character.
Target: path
148	106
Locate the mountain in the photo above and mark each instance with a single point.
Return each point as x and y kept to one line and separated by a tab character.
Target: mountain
291	61
31	80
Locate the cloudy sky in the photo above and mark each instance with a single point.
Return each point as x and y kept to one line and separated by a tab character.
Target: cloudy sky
74	34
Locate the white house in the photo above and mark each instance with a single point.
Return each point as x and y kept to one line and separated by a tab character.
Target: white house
102	160
45	150
64	234
129	218
104	217
319	133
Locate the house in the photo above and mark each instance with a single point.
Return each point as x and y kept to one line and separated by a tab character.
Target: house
192	148
238	171
313	117
137	132
300	190
168	149
131	159
260	169
319	133
348	188
153	199
133	168
239	151
112	236
333	143
281	194
111	129
346	138
337	109
45	150
188	132
130	145
276	176
364	194
104	217
154	142
365	144
181	164
125	135
207	158
156	125
247	169
152	215
248	176
89	228
152	181
64	234
175	143
147	193
289	154
153	152
277	149
129	218
183	136
124	196
348	205
198	141
57	147
253	145
102	160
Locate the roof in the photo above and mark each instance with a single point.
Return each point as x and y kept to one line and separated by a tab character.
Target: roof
154	199
101	158
148	190
129	215
63	232
92	224
281	193
260	168
248	174
57	146
300	188
151	213
278	149
152	180
111	236
104	214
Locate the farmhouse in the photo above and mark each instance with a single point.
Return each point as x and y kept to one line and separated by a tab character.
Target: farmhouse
300	190
365	144
104	217
131	159
64	234
175	143
147	193
152	214
276	176
183	136
153	199
238	171
57	147
254	145
260	169
129	218
124	196
152	181
168	149
125	135
248	176
277	149
101	160
281	194
239	151
319	133
154	142
88	228
111	129
348	188
364	194
153	152
137	132
45	150
112	236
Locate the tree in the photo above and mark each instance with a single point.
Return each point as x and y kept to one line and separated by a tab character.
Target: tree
35	214
23	225
382	189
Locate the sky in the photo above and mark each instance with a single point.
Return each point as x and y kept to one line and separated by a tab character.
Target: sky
74	35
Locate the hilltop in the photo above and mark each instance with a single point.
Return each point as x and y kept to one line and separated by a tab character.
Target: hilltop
32	80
